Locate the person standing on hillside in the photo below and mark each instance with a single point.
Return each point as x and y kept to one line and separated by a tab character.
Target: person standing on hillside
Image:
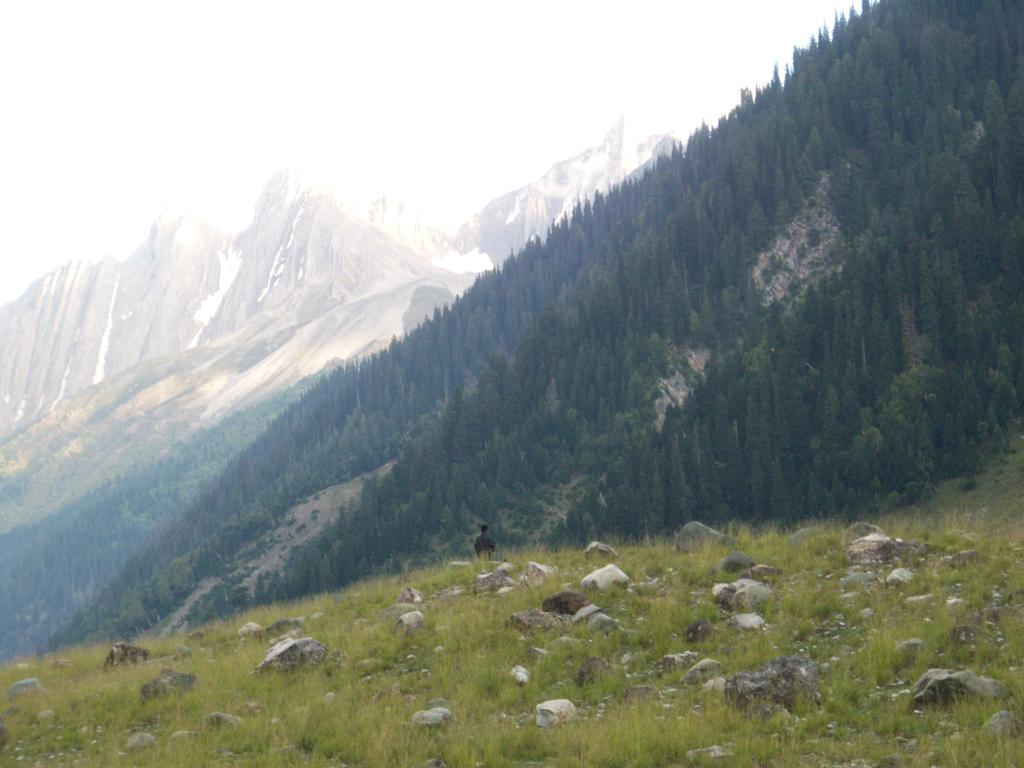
484	544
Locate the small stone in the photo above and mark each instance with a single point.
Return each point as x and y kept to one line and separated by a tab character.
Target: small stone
602	622
167	682
708	753
604	578
593	668
584	613
409	596
761	571
537	573
294	653
567	602
555	712
967	557
940	687
140	740
330	697
899	576
673	661
1002	725
715	684
702	671
222	720
858	579
252	708
125	653
867	613
250	629
520	674
859	530
536	653
699	631
281	626
963	634
433	718
920	600
184	735
409	623
910	647
534	619
637	693
600	550
695	535
734	562
782	682
747	621
492	581
801	536
24	687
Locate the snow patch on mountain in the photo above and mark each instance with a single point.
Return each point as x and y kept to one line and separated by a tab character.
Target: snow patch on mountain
464	263
229	263
101	360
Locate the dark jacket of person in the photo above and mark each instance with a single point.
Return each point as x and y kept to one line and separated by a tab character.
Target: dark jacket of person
484	544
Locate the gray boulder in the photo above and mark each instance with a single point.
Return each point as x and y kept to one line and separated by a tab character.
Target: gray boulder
411	622
535	619
167	682
409	596
859	530
1002	725
702	671
602	622
742	595
24	687
566	602
734	562
140	740
222	720
492	581
784	681
433	717
698	631
940	687
293	653
876	548
673	661
592	670
598	550
695	535
747	621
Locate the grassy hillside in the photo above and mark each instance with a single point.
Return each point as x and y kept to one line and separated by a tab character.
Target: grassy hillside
355	709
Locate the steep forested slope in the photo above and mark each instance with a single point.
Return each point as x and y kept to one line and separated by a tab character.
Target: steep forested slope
53	568
902	365
902	368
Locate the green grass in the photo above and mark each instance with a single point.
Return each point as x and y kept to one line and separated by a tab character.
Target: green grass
467	649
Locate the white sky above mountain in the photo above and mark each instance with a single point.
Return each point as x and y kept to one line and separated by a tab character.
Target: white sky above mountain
116	111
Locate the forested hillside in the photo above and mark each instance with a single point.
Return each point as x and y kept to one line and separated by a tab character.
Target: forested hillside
902	363
51	569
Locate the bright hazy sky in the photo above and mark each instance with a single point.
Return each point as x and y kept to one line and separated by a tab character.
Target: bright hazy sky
114	112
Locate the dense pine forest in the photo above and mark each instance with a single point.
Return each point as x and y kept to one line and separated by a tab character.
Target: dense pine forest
529	403
51	569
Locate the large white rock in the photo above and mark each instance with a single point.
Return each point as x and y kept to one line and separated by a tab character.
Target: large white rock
433	717
537	573
250	629
605	577
555	712
410	622
747	621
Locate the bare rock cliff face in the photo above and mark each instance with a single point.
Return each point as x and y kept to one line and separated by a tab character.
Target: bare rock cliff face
301	261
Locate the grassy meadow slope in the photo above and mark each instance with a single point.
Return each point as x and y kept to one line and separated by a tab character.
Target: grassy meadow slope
85	716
